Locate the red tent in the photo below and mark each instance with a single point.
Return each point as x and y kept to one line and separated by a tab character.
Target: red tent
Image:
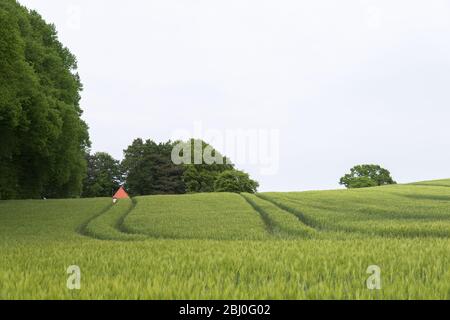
121	194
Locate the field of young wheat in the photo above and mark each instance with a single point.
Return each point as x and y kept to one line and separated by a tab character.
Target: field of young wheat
299	245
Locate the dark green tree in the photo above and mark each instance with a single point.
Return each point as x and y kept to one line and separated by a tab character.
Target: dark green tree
148	169
202	165
235	181
43	137
179	167
367	175
103	175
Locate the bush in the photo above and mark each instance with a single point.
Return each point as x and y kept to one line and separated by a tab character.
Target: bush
235	181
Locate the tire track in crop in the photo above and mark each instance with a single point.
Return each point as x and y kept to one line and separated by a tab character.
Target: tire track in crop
82	227
312	223
354	229
264	217
122	233
280	223
119	225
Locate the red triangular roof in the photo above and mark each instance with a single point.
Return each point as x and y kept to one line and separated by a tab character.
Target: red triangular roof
121	194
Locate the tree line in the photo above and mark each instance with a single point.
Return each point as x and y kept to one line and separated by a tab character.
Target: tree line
43	139
44	149
148	168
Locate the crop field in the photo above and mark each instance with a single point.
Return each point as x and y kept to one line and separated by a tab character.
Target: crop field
295	245
220	216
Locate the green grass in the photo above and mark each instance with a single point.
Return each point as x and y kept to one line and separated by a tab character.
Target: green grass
303	245
280	223
108	225
49	220
394	211
442	183
220	216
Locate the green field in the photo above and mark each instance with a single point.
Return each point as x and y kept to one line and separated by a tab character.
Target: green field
296	245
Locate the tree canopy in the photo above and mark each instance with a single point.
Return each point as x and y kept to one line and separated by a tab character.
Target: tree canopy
148	169
204	165
367	175
103	175
180	167
235	181
44	139
45	143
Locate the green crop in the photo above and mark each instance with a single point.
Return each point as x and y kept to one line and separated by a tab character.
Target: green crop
221	216
108	225
395	211
300	245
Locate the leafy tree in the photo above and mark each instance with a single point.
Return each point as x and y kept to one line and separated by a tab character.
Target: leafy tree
179	167
43	137
235	181
202	166
367	175
103	175
148	169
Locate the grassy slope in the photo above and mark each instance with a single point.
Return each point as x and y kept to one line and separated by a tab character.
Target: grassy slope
280	223
442	183
28	220
39	240
220	216
397	211
107	226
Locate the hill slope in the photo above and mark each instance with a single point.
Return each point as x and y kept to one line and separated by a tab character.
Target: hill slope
304	245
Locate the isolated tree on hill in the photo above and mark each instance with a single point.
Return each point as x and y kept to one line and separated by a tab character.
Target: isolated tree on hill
366	175
103	175
44	139
235	181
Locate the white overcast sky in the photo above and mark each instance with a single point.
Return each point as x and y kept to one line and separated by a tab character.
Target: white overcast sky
344	82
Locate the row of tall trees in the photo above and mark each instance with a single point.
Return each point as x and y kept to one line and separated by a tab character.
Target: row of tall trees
148	168
43	139
44	149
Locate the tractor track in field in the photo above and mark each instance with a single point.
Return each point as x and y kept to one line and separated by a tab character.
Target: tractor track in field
270	224
81	229
264	216
348	229
312	223
119	225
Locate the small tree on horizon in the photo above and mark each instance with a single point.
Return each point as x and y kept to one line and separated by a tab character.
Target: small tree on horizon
366	175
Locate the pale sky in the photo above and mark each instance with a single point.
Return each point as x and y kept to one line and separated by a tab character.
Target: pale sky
343	82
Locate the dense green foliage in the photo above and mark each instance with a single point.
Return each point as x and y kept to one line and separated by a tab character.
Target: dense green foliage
43	137
40	239
200	172
103	177
148	169
235	181
367	175
151	168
